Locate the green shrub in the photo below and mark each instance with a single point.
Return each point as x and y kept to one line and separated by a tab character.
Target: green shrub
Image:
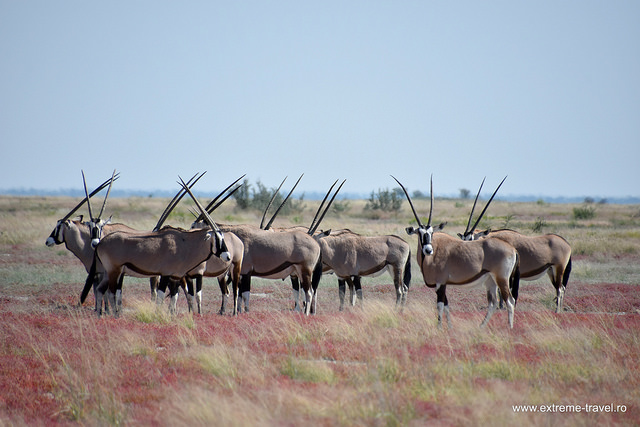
385	200
584	212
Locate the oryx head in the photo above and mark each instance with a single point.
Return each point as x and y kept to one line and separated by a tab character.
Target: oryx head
470	233
425	233
57	235
96	223
221	250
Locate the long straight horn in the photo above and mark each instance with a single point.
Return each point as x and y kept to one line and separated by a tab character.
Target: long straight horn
275	193
174	202
104	203
415	214
466	230
487	205
212	206
431	204
93	193
322	204
207	217
282	204
87	194
317	224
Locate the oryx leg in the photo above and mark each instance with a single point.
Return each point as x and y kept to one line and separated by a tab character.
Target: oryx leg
174	291
224	291
100	290
96	282
119	293
555	274
316	275
401	288
358	286
352	290
443	305
187	285
111	289
355	290
198	292
305	277
235	284
501	283
342	288
244	292
153	285
492	299
295	285
162	288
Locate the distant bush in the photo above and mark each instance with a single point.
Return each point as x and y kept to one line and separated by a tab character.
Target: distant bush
385	200
584	212
538	225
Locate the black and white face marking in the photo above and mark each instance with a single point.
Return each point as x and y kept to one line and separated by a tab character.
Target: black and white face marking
426	237
425	234
95	229
221	250
57	236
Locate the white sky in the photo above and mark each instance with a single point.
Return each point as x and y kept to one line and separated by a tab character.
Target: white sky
546	92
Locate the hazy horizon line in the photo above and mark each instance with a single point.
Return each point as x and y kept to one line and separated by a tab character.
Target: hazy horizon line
317	195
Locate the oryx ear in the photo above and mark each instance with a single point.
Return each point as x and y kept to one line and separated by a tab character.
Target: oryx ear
80	218
411	230
481	234
108	221
460	235
440	226
323	233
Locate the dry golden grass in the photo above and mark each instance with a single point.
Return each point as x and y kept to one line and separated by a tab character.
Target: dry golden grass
369	365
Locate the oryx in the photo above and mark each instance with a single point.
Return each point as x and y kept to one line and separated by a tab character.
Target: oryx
213	268
273	255
351	256
78	235
89	235
549	253
445	260
169	252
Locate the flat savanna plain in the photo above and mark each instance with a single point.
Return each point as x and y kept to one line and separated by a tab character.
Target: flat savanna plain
368	365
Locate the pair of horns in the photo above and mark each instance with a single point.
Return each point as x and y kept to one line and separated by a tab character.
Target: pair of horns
212	206
411	203
203	211
88	197
314	225
275	193
93	193
469	230
176	199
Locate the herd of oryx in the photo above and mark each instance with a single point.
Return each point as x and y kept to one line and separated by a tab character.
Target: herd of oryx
175	258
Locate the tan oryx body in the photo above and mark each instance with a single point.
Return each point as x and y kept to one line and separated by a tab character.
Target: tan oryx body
219	269
539	255
274	255
550	253
169	252
77	237
351	256
447	261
